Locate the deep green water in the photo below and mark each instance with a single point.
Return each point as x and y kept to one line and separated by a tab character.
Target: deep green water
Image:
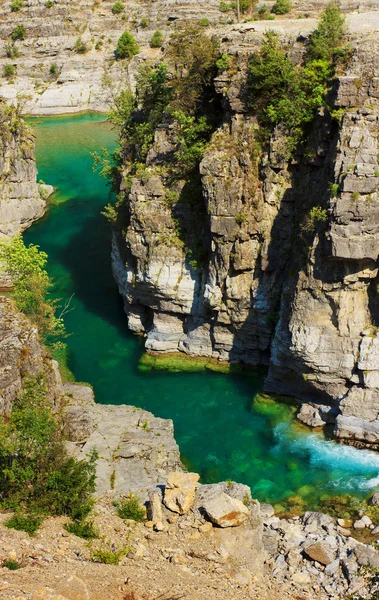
220	432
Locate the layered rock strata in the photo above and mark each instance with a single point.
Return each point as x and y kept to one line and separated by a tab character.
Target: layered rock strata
22	199
66	61
267	288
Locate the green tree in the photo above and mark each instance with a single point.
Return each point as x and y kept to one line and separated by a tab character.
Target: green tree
117	8
18	33
31	285
328	35
194	55
34	470
127	46
281	7
157	39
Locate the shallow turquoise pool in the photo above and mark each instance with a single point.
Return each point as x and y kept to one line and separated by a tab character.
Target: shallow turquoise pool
222	433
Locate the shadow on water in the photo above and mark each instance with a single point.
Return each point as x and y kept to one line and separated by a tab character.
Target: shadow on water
217	427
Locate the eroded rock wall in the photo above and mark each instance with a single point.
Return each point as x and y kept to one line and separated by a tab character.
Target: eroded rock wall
269	289
22	199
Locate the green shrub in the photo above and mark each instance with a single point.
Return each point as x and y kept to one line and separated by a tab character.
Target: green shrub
49	4
334	190
83	529
246	4
80	47
204	22
325	40
144	23
192	135
262	9
109	557
157	39
130	507
24	522
223	62
12	50
53	69
31	285
225	7
117	8
10	564
18	33
127	46
281	7
35	471
317	216
16	5
9	71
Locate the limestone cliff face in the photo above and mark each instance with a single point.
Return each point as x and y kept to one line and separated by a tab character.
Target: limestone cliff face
266	289
326	339
22	200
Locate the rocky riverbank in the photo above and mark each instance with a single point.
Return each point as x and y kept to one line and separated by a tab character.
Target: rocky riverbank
22	199
199	540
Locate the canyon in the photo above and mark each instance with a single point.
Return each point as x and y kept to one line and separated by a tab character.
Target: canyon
253	285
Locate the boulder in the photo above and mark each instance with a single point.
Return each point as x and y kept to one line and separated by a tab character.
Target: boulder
320	552
154	509
366	556
375	499
72	588
180	491
225	511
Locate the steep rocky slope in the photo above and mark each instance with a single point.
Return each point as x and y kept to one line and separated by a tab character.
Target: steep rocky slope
204	541
254	283
59	77
22	200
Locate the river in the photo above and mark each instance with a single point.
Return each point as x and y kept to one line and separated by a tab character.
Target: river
223	428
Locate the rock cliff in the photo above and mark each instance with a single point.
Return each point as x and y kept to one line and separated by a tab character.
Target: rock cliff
22	199
66	61
254	283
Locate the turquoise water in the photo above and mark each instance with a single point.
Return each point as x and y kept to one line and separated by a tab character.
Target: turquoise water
221	432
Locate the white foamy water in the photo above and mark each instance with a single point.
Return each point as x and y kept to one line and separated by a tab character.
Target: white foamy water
349	468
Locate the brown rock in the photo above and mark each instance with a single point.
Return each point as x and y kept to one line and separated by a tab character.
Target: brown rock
73	588
322	553
225	511
180	491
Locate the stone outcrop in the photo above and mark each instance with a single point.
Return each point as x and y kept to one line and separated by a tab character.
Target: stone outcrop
22	199
180	492
247	279
136	450
21	357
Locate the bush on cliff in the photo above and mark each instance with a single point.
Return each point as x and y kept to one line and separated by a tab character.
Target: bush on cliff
157	39
31	286
288	95
194	55
127	46
281	7
36	475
